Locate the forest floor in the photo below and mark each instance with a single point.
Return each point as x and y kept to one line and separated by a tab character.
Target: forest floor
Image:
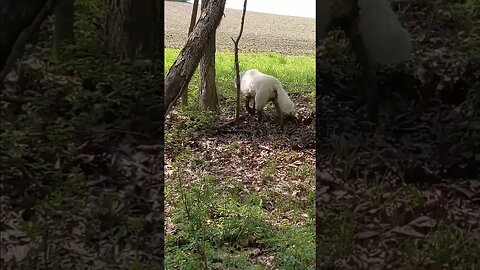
405	193
82	156
249	187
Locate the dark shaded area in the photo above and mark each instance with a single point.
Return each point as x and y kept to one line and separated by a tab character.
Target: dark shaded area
82	156
390	195
15	16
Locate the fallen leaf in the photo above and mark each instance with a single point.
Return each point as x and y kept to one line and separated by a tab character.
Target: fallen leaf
423	222
366	235
407	230
467	193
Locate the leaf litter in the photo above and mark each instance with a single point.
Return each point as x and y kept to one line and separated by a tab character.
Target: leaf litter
89	199
256	157
405	194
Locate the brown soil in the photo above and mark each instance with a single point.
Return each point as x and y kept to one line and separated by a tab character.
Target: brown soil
262	32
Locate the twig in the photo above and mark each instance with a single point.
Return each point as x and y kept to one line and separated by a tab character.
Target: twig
237	67
16	99
155	147
265	148
124	132
229	123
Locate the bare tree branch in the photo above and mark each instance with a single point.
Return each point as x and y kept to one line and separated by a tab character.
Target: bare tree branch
237	67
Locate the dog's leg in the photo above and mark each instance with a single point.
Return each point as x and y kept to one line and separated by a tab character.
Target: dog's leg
247	105
280	114
260	115
369	80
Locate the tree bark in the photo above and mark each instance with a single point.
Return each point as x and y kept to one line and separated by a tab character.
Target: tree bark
64	19
207	94
19	19
193	19
134	28
179	75
208	97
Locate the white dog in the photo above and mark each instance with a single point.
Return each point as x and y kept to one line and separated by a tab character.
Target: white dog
376	36
263	88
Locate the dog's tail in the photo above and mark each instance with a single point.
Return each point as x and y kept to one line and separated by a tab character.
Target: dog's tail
385	39
286	104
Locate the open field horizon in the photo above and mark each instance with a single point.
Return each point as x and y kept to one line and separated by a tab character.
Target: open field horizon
292	35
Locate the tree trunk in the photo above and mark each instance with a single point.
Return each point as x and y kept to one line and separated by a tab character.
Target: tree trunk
193	19
179	75
64	18
19	19
208	98
134	28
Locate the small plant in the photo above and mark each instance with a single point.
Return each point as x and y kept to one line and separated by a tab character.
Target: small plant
414	196
348	157
269	169
294	248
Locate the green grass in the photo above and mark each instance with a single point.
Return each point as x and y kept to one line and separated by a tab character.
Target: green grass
222	231
297	72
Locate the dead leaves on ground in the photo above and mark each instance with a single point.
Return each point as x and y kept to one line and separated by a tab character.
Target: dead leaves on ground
248	159
130	178
97	201
408	188
258	156
396	217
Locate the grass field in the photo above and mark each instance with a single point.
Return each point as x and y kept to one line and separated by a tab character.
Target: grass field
241	198
298	72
